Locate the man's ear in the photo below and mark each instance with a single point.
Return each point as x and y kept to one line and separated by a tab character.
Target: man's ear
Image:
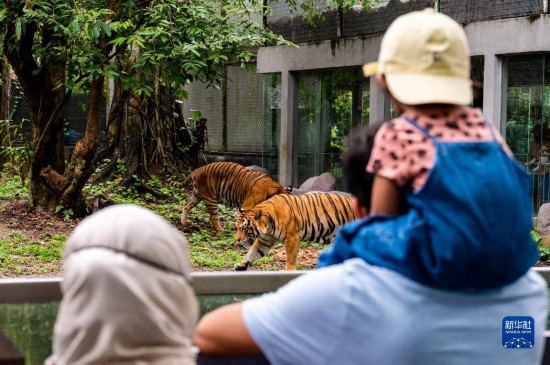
359	209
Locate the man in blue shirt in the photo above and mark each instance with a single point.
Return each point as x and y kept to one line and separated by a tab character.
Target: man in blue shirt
356	313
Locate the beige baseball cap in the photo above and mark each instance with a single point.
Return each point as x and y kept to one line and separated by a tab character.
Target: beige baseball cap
425	59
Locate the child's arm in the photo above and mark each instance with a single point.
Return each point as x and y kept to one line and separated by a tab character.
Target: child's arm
389	167
385	196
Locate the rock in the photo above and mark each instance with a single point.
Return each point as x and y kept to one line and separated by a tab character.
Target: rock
546	241
296	191
324	182
257	168
543	220
302	191
340	193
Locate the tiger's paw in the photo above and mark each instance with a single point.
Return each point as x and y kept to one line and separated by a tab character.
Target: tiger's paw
242	266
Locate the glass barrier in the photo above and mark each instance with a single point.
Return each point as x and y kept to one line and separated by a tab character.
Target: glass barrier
330	103
30	325
28	308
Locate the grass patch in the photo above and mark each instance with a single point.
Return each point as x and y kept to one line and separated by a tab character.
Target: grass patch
11	188
208	250
206	257
544	257
211	250
20	255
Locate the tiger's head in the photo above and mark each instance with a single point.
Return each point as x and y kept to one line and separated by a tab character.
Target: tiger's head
251	223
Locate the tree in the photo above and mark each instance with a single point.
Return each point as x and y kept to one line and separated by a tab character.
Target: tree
55	45
176	44
5	86
150	49
50	53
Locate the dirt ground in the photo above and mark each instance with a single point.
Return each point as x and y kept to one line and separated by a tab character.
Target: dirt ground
14	216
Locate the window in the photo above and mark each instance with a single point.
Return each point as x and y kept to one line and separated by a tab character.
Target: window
330	103
527	116
271	123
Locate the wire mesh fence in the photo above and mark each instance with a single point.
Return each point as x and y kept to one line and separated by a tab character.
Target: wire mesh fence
244	111
239	127
19	115
74	115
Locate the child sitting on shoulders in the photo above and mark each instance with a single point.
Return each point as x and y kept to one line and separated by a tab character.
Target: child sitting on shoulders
468	223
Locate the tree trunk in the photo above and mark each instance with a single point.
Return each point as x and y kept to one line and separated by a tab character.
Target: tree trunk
46	105
5	87
150	131
44	91
135	144
44	87
69	185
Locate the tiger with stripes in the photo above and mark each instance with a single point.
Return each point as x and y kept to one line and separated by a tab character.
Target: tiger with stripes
290	219
230	184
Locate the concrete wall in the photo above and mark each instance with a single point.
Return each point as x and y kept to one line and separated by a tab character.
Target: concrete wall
359	22
495	29
492	39
297	30
470	11
499	37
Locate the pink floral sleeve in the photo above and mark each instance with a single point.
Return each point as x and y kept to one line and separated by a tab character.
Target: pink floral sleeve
401	153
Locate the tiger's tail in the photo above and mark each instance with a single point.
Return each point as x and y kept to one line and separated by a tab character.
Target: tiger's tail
185	181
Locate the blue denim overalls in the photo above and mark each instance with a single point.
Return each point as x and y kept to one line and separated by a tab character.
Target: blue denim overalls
468	227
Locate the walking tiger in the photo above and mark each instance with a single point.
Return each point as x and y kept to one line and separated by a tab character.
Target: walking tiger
231	184
290	219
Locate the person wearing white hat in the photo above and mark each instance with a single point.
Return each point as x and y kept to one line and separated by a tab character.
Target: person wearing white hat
358	312
127	297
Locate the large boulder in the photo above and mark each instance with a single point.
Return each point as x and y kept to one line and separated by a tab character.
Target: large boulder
298	191
543	220
257	168
323	182
302	191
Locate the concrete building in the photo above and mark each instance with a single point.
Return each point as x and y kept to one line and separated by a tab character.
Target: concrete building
314	94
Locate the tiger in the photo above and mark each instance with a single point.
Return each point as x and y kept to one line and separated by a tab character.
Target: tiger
231	184
290	219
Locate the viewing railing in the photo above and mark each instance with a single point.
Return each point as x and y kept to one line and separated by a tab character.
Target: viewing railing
212	289
205	283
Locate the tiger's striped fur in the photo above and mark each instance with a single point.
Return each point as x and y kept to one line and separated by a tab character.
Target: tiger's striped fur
290	219
230	184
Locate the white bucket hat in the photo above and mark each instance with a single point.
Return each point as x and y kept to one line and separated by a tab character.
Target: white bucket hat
425	59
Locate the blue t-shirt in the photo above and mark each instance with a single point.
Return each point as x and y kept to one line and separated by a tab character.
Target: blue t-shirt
356	313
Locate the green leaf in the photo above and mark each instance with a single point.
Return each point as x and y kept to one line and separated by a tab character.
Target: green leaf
105	28
118	41
74	27
196	114
18	29
96	31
